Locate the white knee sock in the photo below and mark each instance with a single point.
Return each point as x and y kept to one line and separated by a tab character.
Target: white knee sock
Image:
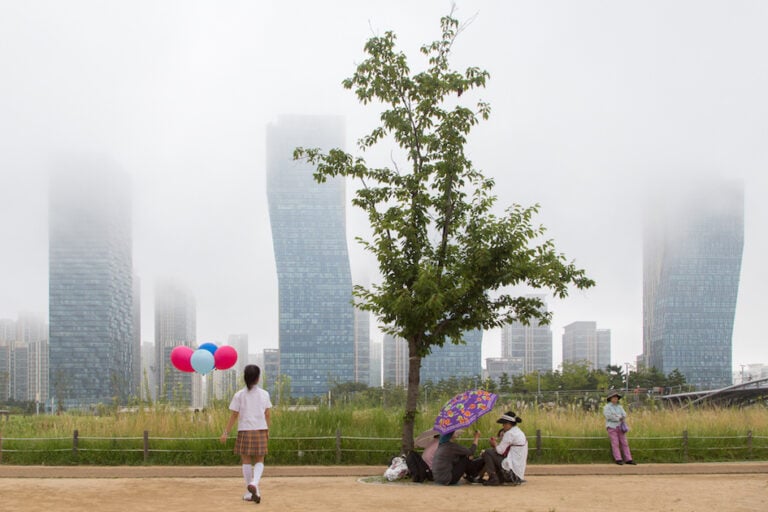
258	469
247	473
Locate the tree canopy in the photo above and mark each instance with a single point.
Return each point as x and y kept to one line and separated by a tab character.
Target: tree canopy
446	257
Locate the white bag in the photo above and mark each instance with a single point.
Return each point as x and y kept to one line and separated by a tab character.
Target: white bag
397	469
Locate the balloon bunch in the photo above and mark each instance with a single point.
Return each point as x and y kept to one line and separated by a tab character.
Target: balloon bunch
206	358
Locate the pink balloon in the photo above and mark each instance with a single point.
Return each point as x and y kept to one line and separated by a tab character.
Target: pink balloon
225	357
181	358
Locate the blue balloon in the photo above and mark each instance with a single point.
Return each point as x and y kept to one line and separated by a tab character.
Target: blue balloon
202	361
210	347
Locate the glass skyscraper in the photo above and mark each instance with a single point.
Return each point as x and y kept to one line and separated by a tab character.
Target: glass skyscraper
308	219
90	287
691	266
451	360
175	325
532	343
583	342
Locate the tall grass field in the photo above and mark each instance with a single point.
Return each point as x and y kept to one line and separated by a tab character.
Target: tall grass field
350	435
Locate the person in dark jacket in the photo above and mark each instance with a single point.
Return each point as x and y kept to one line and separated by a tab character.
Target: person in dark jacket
452	460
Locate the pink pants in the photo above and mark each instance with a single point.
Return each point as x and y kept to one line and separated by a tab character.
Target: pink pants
619	444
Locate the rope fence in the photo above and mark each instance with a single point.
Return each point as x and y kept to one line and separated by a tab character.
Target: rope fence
339	449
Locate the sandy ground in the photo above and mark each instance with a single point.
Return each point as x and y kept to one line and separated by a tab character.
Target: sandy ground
651	487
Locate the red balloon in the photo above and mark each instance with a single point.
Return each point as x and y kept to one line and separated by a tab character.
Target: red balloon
225	357
181	358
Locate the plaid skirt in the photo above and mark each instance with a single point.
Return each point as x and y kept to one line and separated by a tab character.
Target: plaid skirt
251	442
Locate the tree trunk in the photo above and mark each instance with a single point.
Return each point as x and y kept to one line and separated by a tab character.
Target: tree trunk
412	397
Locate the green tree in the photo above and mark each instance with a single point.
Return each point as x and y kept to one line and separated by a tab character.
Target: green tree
675	378
445	258
575	375
505	384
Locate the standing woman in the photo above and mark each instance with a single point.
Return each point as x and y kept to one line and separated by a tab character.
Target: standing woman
614	421
251	409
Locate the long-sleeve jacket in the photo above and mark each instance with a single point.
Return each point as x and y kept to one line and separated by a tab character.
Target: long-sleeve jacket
442	464
613	413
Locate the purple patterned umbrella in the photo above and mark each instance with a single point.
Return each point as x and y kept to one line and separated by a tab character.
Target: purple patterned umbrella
464	409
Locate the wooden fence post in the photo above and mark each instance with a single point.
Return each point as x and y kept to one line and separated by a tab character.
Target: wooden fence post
146	445
749	444
538	442
338	446
685	446
74	443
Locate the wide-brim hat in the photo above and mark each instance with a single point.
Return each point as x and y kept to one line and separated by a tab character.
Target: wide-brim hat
507	417
426	438
611	395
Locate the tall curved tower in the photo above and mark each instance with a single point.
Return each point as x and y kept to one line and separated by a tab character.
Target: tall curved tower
308	219
691	268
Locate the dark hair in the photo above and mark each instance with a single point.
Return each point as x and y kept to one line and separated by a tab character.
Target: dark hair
251	375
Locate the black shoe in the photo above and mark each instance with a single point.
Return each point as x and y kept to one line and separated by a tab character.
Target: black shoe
620	462
493	482
254	494
631	462
473	479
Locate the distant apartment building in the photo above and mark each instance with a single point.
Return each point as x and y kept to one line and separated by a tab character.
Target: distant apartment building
24	359
362	346
583	342
240	343
395	361
175	325
530	343
692	248
148	372
495	367
450	360
136	366
90	288
271	376
376	359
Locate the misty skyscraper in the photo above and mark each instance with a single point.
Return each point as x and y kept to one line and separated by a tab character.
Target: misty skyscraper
175	325
692	263
90	286
316	332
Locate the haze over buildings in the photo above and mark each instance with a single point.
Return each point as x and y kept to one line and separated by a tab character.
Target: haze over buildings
593	105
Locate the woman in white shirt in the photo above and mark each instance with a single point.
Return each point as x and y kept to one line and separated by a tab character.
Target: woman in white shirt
251	409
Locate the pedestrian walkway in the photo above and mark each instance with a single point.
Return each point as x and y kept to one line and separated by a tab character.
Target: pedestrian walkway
698	468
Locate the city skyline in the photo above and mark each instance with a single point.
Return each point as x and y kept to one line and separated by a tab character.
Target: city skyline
592	105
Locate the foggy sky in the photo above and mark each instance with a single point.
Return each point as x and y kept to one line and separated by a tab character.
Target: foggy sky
594	104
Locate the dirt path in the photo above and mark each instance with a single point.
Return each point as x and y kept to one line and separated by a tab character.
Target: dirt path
598	487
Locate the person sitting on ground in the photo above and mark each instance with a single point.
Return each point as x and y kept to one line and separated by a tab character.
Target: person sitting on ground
494	455
420	465
513	465
451	459
476	469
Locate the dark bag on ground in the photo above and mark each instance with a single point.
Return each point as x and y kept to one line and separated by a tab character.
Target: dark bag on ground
417	468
